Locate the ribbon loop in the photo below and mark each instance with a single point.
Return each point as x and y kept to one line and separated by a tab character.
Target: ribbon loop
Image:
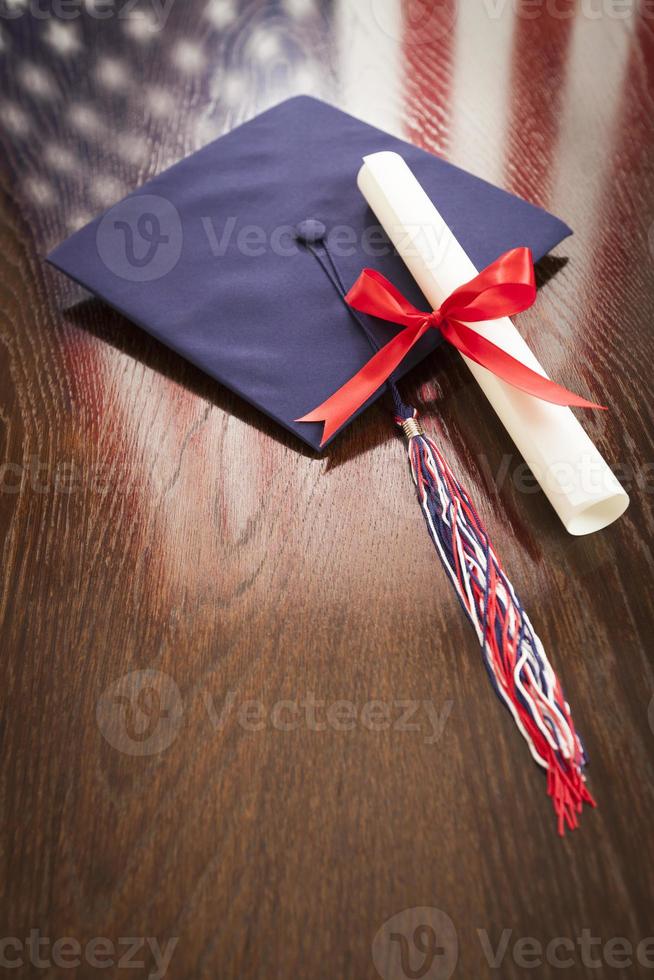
504	288
372	293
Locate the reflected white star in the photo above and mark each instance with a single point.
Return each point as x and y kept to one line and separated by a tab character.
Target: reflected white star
14	119
78	220
85	119
264	45
112	74
231	89
307	80
107	190
39	191
188	56
59	157
36	81
221	13
62	37
299	8
132	147
97	8
159	101
142	25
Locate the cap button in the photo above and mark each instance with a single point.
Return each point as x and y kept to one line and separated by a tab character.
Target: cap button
310	231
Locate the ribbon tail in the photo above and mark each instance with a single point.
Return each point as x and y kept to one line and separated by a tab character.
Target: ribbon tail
488	355
338	408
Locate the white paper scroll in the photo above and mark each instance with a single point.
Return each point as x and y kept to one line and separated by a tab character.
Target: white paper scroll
574	476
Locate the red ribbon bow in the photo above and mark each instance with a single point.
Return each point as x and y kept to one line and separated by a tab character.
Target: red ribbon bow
503	288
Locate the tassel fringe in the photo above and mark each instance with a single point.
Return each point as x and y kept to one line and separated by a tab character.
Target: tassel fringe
518	667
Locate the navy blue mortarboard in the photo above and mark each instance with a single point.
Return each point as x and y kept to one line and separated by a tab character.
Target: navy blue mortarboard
205	256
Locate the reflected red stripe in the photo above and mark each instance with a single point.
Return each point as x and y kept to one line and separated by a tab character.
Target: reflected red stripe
623	247
428	28
541	45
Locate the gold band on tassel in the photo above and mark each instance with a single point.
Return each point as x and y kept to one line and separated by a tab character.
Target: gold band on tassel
411	428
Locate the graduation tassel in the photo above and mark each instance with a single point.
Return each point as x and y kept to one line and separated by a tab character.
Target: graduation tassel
514	656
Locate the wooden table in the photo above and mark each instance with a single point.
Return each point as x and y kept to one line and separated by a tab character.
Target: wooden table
169	556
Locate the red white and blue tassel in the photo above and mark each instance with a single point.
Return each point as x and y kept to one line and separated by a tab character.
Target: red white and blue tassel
518	667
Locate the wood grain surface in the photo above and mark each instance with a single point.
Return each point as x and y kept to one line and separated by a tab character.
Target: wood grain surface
187	596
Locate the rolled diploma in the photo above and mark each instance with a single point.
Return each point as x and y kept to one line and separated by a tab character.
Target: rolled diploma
572	473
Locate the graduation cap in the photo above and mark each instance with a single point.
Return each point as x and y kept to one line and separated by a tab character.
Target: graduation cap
239	258
206	256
